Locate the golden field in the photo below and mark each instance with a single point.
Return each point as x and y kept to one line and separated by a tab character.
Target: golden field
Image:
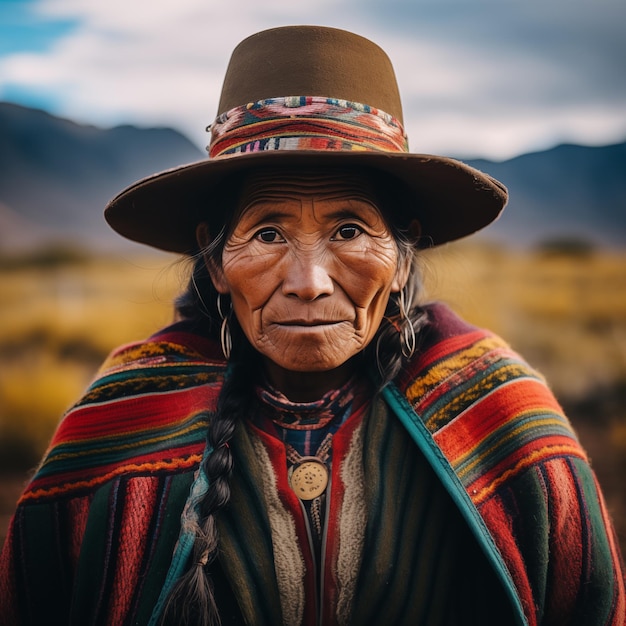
565	311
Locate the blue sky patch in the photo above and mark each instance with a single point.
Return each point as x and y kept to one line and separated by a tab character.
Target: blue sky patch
23	29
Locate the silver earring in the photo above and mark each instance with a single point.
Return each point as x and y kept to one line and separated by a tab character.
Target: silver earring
407	335
225	337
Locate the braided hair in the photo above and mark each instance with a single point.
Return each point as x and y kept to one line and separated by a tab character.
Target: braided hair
192	600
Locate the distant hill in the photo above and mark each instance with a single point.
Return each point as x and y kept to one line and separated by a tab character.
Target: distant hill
570	191
56	177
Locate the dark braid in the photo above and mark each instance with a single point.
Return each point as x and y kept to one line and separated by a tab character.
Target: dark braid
192	600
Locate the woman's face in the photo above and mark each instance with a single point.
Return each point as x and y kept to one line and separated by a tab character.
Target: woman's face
309	266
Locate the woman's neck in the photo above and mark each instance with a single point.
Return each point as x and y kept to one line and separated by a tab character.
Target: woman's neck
307	386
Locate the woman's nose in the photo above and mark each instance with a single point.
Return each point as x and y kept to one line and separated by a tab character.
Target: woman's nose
307	278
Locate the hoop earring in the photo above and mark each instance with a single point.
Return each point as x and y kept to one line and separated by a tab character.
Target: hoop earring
225	337
407	335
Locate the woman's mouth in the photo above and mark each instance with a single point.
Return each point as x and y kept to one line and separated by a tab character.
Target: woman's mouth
309	322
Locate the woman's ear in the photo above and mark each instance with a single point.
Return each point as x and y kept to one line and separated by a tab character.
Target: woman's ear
415	231
203	237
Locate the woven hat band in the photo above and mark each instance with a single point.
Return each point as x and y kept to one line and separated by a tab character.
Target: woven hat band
305	123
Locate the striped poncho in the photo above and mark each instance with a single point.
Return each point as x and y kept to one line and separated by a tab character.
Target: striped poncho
461	496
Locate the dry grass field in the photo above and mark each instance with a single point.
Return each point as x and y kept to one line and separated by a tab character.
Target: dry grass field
564	311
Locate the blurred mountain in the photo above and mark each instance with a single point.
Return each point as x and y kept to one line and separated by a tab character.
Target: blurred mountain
56	176
567	193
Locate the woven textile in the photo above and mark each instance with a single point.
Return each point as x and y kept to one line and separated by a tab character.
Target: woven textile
305	123
93	536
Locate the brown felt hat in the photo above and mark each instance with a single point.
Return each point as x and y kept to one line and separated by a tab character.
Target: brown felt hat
307	97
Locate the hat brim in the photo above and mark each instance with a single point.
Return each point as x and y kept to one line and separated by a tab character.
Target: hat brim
450	199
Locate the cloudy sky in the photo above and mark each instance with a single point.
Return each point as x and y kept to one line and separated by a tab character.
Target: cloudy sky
479	78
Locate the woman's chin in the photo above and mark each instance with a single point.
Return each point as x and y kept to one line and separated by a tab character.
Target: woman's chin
316	348
309	352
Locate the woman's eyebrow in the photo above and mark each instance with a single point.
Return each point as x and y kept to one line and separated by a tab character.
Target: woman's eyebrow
256	213
269	210
352	212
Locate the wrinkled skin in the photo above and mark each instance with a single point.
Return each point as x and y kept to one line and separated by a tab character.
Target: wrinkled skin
309	265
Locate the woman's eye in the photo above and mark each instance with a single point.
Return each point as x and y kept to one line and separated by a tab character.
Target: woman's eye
349	231
269	235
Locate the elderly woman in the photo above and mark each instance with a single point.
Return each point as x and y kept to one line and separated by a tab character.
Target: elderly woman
310	443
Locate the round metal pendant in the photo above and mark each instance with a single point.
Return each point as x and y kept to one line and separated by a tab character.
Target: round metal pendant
309	478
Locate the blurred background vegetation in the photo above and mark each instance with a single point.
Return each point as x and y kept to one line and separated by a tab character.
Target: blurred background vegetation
561	304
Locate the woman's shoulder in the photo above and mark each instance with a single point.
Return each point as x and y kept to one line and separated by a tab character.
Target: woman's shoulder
180	342
146	411
485	406
448	344
459	365
172	360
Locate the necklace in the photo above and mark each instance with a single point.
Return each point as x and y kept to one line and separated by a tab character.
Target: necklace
308	477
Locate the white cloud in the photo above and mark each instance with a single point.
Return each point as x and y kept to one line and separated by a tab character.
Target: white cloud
141	62
465	93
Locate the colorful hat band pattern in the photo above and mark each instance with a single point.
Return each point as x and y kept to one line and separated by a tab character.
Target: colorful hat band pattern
305	123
